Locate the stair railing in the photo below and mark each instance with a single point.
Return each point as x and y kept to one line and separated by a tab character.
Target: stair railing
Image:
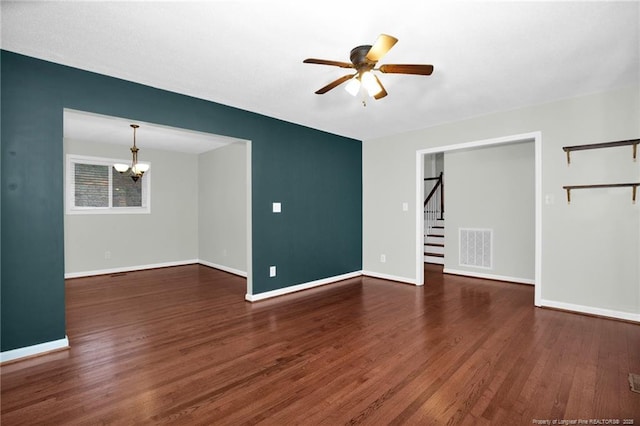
434	203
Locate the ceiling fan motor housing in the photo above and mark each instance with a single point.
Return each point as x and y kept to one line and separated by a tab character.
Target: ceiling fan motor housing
358	58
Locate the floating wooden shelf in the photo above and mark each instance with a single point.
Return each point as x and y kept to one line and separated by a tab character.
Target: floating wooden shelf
633	142
634	187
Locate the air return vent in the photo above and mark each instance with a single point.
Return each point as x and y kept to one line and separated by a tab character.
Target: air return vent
476	247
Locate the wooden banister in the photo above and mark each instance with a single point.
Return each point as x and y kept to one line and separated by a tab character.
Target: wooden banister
439	185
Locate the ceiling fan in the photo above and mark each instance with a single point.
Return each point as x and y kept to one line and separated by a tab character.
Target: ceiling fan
364	60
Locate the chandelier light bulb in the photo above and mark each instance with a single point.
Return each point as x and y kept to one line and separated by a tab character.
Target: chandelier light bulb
140	168
121	167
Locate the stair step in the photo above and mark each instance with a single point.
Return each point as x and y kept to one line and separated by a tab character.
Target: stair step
434	248
435	260
433	254
435	239
434	242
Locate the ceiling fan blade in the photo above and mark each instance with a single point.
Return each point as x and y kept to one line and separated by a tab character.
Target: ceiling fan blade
334	84
328	62
406	69
383	44
383	92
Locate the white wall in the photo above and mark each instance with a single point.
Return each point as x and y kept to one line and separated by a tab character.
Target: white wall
439	160
168	234
493	188
429	162
429	165
590	249
222	207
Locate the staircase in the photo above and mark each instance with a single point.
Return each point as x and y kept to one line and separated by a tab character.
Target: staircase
434	243
434	221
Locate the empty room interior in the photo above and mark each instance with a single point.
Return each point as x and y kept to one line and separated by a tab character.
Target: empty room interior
244	212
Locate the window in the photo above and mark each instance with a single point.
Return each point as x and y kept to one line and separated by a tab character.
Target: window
94	186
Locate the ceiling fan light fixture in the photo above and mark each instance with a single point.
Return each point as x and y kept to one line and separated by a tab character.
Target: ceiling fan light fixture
364	60
353	86
370	84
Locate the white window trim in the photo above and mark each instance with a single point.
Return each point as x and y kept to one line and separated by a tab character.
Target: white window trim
69	194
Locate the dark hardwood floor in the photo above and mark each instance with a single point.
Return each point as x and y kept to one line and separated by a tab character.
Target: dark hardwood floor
180	345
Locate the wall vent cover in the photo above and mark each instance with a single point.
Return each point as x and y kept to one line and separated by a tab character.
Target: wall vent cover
476	247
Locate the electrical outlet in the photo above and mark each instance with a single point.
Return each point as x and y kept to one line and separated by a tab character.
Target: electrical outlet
107	254
383	258
272	271
277	207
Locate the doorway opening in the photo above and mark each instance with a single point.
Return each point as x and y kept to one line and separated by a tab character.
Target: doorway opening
198	200
536	139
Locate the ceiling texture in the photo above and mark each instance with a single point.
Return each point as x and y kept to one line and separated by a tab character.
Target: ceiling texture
488	56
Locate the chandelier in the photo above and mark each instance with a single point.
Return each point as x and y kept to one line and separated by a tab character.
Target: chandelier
136	170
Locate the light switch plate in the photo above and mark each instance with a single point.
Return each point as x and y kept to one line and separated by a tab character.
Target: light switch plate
405	207
272	271
277	207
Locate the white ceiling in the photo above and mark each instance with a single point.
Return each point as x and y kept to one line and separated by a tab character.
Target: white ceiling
488	55
88	127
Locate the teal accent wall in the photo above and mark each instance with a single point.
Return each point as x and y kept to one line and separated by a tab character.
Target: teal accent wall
316	176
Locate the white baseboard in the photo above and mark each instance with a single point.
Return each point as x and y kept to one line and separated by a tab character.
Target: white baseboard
299	287
390	277
627	316
39	349
489	276
223	268
129	268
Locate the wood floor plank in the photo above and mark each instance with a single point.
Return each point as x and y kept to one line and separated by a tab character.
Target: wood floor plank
181	346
